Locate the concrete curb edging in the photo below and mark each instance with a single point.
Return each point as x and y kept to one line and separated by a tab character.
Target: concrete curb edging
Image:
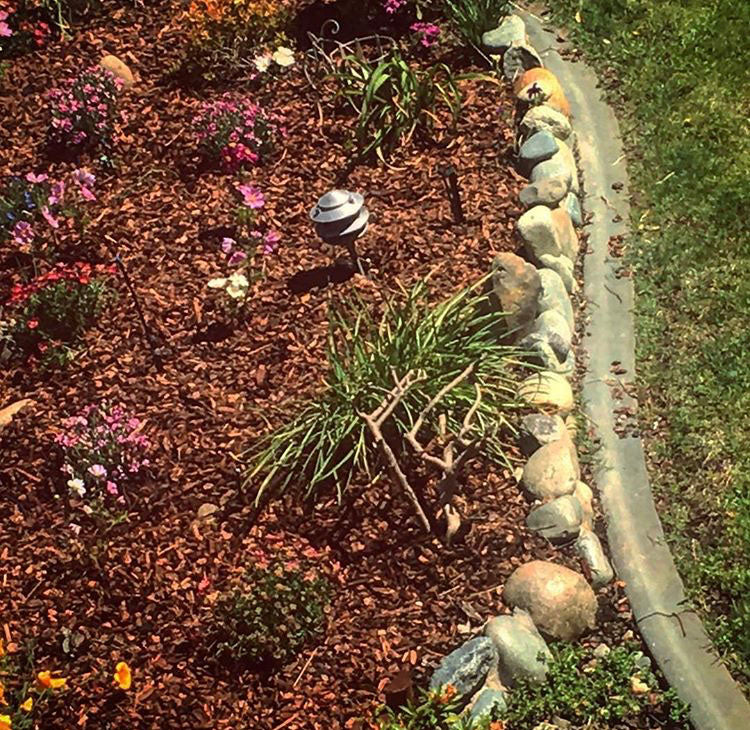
674	634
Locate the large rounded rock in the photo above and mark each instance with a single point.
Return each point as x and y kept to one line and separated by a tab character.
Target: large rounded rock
539	429
548	391
543	117
554	297
537	148
519	58
487	703
558	520
548	352
522	652
515	289
590	549
548	192
118	69
539	232
540	86
551	471
466	668
585	498
511	30
567	237
553	326
563	267
572	206
559	600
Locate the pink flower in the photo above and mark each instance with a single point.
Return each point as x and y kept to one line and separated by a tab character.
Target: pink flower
112	488
23	233
97	470
57	193
252	197
49	217
237	258
227	245
32	178
271	241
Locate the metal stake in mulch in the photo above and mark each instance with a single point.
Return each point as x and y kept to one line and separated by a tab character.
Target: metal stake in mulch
452	191
147	332
340	218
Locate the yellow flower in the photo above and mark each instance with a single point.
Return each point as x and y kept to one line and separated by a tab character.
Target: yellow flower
5	722
123	676
46	681
26	706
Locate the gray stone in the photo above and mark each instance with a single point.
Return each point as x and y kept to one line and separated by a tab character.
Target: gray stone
553	326
487	704
601	651
539	232
537	148
567	237
565	153
554	297
545	192
572	206
548	391
590	549
515	289
510	30
563	267
559	600
518	58
544	117
466	668
543	351
522	652
558	520
551	471
585	498
539	429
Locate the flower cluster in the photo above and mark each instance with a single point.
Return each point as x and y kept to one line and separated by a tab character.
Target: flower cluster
34	199
80	272
282	57
18	30
103	451
84	109
238	133
427	33
393	6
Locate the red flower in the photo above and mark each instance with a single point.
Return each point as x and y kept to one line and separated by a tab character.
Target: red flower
32	324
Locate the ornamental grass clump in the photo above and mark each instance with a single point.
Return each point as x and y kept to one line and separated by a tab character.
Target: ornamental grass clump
236	133
278	606
47	317
103	451
84	110
328	441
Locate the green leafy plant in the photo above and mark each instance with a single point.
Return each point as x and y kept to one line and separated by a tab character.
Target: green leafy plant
394	100
432	711
588	690
279	607
472	18
328	440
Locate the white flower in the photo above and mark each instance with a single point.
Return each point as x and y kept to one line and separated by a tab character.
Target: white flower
262	62
87	510
77	486
76	528
219	283
237	286
283	56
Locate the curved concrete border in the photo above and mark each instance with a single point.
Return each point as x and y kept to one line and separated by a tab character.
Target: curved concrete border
674	634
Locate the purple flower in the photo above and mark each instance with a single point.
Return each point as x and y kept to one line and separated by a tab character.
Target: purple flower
227	245
57	193
237	258
271	241
252	197
97	470
23	233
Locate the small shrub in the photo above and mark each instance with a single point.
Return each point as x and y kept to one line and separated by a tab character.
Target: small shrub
52	312
278	608
23	26
431	712
235	133
84	110
393	100
103	450
426	34
472	18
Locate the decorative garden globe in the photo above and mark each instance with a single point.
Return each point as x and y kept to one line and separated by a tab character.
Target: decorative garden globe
340	217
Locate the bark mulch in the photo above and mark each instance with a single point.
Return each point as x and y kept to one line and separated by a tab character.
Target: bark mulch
141	592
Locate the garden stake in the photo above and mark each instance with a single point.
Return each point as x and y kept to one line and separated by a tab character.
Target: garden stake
450	182
146	329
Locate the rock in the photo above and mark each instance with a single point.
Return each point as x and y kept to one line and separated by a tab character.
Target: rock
512	29
206	510
547	390
568	158
642	661
567	237
585	498
544	352
119	69
563	267
553	326
551	471
539	232
590	549
559	600
571	423
558	520
522	652
543	117
554	298
540	86
572	206
515	290
487	704
466	668
539	429
8	412
638	686
537	148
601	651
549	191
519	58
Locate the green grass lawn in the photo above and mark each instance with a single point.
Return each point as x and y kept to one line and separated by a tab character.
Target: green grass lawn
681	83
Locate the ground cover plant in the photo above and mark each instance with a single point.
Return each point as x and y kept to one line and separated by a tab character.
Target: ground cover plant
690	256
125	595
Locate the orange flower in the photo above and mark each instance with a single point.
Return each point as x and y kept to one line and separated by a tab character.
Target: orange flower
2	695
5	722
2	649
449	692
27	705
46	681
123	676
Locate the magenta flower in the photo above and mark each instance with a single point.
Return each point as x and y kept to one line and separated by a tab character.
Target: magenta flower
23	233
33	178
252	197
227	245
56	193
112	488
49	217
271	242
237	258
428	33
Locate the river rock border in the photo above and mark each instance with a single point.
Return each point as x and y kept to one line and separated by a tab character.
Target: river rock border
535	292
